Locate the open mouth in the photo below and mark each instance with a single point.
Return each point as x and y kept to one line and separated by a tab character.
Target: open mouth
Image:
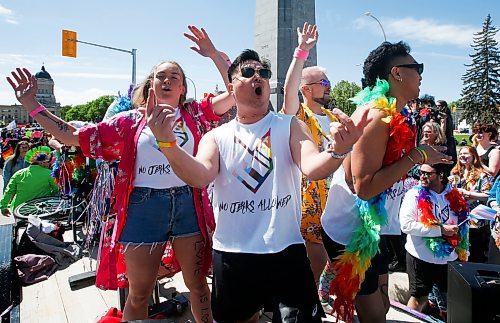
258	90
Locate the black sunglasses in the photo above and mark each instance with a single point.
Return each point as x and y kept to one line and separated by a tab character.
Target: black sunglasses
426	173
419	67
323	83
248	72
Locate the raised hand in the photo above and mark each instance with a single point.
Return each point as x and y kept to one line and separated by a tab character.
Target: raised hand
200	37
344	132
160	118
308	36
25	87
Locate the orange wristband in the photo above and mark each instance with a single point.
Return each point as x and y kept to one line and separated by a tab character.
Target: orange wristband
166	144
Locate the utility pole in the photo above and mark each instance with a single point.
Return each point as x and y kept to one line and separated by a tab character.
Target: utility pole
69	40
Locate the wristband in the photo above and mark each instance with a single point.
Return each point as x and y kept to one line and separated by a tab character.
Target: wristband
426	157
37	111
301	54
166	144
337	156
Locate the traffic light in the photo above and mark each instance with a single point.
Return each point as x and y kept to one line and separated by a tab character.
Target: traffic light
69	43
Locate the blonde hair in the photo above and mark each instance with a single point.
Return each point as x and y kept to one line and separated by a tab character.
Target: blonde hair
140	92
436	129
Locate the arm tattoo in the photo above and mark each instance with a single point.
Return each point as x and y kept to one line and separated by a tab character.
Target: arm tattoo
61	125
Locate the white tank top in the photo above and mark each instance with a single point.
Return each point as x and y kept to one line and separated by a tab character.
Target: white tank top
341	218
152	168
256	197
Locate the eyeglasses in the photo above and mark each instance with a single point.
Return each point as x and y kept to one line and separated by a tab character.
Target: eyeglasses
323	82
248	72
419	67
428	174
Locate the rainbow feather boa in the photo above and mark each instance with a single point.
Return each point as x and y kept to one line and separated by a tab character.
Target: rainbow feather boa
443	246
351	266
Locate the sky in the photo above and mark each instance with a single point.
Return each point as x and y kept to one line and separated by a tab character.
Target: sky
439	32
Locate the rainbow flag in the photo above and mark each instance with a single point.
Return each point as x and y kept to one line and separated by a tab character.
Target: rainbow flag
6	154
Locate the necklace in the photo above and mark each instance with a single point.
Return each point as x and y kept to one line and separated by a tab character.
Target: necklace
443	246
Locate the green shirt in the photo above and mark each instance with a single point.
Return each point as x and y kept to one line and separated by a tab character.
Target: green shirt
27	184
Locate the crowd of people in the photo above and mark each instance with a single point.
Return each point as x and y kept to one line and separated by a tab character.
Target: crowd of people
308	208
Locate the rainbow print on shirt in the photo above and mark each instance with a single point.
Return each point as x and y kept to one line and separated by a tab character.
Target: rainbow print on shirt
180	131
257	163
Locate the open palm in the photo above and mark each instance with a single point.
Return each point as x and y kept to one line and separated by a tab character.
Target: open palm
308	37
24	85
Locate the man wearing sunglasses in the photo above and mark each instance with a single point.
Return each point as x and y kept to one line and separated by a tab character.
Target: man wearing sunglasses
254	162
315	88
427	271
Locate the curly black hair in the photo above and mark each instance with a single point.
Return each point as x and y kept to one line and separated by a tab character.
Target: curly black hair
246	55
379	61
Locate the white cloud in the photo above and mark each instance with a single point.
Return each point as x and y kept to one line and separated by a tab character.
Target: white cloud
8	15
16	59
422	30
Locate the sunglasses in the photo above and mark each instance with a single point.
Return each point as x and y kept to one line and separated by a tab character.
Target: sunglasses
323	82
248	72
428	174
419	67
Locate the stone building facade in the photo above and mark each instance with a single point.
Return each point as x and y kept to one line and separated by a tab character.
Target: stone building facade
45	96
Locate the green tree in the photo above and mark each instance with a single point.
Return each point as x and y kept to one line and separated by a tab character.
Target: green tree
481	91
63	111
91	111
342	92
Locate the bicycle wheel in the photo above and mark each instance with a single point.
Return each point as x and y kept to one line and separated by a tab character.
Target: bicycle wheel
43	207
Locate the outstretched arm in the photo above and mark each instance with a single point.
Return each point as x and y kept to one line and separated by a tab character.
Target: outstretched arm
307	40
317	165
25	87
206	48
196	171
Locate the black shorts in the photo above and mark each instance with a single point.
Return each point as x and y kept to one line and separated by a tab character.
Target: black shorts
422	275
379	265
244	283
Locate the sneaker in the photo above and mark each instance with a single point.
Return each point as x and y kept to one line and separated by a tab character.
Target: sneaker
397	266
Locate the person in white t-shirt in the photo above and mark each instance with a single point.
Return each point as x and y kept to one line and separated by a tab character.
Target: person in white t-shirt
255	162
435	236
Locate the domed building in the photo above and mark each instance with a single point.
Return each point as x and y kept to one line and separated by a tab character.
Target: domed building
45	96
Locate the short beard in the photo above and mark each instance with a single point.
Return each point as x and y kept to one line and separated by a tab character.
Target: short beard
323	100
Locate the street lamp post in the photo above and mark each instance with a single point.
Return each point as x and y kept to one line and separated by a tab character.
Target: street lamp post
194	86
369	14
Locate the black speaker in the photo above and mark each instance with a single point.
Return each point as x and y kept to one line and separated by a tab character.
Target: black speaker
473	292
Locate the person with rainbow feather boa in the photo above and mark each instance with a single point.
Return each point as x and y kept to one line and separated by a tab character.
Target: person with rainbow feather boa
355	219
434	215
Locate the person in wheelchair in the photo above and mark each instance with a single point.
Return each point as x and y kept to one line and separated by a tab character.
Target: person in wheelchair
29	183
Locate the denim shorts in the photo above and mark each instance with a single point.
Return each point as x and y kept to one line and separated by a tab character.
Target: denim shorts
155	215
